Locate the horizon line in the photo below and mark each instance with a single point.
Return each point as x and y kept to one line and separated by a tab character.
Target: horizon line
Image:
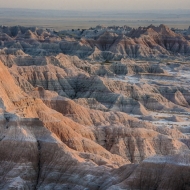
94	10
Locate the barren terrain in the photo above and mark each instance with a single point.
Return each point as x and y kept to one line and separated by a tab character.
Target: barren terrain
95	109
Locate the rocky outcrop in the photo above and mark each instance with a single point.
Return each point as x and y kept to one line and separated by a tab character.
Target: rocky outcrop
165	175
70	122
144	42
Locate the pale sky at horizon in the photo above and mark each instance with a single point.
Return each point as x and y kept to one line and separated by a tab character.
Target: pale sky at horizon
96	4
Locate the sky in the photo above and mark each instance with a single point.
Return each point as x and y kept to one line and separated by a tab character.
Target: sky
97	4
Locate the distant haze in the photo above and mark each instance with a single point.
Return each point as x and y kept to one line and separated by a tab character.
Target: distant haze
82	14
96	4
67	19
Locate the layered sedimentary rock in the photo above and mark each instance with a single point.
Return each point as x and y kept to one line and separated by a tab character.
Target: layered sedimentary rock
101	45
75	113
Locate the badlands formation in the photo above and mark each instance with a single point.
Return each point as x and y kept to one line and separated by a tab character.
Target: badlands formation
98	109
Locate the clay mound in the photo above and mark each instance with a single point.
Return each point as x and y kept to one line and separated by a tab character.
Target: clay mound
179	99
141	111
9	92
152	31
105	41
96	54
40	92
90	103
149	118
175	119
163	30
188	31
136	33
30	35
5	37
164	166
176	97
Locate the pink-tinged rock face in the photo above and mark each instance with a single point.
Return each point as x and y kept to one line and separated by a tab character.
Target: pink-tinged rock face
93	118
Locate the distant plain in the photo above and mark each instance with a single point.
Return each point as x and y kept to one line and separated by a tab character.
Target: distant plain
63	20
